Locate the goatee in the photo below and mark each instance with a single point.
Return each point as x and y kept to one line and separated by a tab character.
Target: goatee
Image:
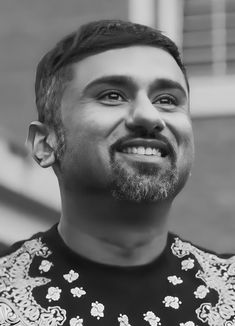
148	184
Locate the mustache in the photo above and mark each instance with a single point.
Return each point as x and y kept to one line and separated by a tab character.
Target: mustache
118	144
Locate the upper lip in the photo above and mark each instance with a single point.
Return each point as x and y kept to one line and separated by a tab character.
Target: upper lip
161	144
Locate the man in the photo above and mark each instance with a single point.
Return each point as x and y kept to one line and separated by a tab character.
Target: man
114	123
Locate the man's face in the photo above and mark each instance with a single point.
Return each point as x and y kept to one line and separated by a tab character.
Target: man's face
127	125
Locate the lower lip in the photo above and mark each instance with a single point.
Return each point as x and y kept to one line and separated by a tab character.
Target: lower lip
144	158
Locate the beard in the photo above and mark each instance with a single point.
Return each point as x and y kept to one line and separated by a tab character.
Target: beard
143	183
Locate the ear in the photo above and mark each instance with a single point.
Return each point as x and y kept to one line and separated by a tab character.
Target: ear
42	144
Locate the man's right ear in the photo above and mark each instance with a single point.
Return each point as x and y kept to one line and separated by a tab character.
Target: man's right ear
41	142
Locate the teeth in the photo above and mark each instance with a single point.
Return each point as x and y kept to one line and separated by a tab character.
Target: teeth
142	151
148	151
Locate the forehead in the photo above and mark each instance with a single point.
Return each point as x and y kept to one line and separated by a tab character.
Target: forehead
144	64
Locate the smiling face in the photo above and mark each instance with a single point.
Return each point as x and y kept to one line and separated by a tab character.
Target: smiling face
127	125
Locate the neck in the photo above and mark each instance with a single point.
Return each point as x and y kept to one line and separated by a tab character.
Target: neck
114	232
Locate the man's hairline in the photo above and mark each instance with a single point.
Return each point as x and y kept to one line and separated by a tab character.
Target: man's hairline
71	66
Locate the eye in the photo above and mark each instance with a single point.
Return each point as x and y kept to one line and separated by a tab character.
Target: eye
166	100
111	98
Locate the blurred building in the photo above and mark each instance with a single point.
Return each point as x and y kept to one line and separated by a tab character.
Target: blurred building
205	32
29	196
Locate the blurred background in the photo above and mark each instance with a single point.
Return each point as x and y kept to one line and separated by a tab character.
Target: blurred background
204	30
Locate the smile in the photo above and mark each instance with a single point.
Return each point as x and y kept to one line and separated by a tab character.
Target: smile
145	147
143	151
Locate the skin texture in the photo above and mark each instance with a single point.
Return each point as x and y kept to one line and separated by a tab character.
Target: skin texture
108	121
115	205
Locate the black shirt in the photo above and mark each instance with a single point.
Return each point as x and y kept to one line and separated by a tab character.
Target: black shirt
44	283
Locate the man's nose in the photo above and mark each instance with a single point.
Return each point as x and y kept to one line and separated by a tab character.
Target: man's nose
144	115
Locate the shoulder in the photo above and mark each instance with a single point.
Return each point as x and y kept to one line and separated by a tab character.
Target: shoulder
22	279
215	274
203	257
18	261
33	245
204	264
182	247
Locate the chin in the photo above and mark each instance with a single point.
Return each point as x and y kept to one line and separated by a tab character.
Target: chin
143	186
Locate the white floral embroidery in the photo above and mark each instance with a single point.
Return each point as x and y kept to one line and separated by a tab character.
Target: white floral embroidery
53	293
172	302
3	261
210	314
2	272
231	269
152	319
226	311
188	323
187	264
230	323
71	276
175	280
76	321
217	274
45	266
97	309
201	292
17	302
78	292
123	320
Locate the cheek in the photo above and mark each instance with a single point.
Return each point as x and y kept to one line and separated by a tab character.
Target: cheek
87	138
187	145
187	136
181	128
104	121
95	121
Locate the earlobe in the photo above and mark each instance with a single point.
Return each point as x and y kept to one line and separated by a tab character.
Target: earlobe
41	143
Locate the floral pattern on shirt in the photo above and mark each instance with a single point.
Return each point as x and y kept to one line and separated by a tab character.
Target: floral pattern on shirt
201	292
175	280
152	319
97	310
187	264
53	293
188	323
218	274
17	303
123	320
19	307
76	321
172	302
71	276
78	292
45	266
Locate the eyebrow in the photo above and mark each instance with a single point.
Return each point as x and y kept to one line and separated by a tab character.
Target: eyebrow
115	80
127	81
169	84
